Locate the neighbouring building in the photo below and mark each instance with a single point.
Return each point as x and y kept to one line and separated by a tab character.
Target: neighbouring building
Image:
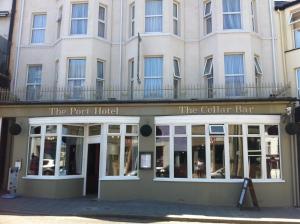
150	100
7	12
288	26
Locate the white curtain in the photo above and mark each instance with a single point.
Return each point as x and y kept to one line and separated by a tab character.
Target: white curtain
234	74
232	16
38	29
153	77
76	76
79	18
154	16
297	38
34	82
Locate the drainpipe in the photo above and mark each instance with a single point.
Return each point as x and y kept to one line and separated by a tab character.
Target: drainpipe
121	38
273	42
11	29
283	47
18	47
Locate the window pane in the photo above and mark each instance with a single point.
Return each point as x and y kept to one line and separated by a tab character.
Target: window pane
162	130
79	18
77	68
39	26
180	157
162	157
113	156
35	130
179	130
208	66
208	25
51	129
236	157
231	6
235	129
34	155
253	129
38	36
198	153
49	156
271	129
198	130
153	77
101	29
176	67
153	16
131	156
71	156
101	13
217	157
34	74
297	38
114	129
100	70
94	130
273	158
254	157
33	92
72	130
175	10
132	129
207	8
234	64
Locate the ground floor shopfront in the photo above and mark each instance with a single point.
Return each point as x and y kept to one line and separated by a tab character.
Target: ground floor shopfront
176	152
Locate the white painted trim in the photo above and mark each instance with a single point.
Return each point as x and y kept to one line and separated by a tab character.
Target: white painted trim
84	120
217	119
120	178
194	180
31	177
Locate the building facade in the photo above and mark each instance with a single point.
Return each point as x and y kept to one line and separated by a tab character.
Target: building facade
134	100
288	23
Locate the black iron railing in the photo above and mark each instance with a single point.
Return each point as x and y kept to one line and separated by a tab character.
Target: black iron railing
192	92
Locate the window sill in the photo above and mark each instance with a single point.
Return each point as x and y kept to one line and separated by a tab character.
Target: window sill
215	180
119	178
53	177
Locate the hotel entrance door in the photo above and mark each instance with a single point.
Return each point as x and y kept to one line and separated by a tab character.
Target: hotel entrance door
92	172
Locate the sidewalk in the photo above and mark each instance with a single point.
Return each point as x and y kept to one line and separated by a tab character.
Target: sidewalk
159	211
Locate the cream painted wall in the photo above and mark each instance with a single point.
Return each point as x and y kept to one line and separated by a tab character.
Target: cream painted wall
288	55
191	47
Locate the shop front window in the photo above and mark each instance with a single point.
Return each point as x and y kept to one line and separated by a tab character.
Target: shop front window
220	152
34	155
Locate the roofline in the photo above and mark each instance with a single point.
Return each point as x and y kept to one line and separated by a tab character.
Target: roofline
287	5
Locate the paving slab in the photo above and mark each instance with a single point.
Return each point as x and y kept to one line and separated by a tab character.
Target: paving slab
89	207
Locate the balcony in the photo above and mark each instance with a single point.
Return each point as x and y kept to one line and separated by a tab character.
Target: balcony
37	94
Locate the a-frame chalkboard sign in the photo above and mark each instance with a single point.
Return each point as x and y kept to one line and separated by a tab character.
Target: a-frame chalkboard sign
247	184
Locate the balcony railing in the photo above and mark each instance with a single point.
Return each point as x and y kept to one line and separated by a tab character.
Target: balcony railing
85	94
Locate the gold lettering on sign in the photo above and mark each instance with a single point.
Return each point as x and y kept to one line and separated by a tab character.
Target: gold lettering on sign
84	111
238	109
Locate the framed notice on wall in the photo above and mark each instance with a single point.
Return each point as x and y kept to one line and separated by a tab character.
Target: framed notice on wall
146	160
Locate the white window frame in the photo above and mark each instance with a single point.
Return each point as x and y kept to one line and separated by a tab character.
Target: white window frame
102	21
132	15
79	18
244	120
86	121
176	19
291	16
211	132
102	80
257	64
207	16
156	15
33	84
234	13
210	68
42	28
157	94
